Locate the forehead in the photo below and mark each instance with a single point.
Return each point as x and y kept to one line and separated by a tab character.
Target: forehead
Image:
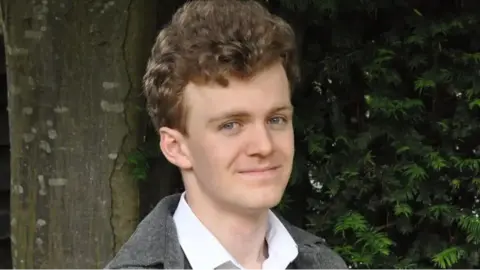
267	89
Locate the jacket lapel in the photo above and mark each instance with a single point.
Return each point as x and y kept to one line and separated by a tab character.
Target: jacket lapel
155	240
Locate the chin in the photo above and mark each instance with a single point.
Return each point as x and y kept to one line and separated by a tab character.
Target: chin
264	200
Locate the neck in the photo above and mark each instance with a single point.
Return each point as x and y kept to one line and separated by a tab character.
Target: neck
241	234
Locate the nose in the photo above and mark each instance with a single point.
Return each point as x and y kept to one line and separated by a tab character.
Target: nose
260	142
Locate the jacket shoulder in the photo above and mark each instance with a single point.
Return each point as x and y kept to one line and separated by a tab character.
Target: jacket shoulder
326	258
314	252
109	267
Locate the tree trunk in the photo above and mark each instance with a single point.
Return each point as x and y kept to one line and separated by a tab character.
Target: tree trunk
74	77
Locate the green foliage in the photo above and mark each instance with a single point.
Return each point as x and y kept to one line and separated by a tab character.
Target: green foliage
448	257
370	242
353	221
139	165
471	226
387	130
138	160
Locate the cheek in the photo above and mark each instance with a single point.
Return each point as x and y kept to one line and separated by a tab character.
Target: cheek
285	142
224	151
214	152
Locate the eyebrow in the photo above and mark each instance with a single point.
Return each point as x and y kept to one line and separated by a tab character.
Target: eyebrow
244	114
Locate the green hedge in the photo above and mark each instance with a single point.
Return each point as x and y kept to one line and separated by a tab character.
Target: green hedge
388	130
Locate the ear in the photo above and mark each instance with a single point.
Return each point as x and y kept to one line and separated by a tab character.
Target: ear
173	147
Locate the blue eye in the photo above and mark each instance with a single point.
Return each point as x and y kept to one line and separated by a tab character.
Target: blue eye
277	120
229	126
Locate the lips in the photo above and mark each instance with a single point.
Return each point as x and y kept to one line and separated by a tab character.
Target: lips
260	170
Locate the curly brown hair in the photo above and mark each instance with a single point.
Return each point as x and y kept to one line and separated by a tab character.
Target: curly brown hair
209	40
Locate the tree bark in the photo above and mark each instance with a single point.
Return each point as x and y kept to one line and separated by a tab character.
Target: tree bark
74	78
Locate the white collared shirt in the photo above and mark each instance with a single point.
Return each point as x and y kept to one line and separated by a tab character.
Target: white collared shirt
204	251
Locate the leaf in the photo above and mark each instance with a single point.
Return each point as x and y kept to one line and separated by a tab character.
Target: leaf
403	209
138	162
437	210
417	12
316	143
455	183
375	242
402	149
353	221
415	172
448	257
421	84
471	225
471	57
443	126
435	161
473	104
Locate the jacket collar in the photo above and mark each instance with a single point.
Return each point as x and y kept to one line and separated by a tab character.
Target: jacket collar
155	240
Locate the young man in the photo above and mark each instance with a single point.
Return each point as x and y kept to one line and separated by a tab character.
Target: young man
218	87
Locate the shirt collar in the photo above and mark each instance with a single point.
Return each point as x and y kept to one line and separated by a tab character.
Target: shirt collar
204	251
155	244
282	249
201	248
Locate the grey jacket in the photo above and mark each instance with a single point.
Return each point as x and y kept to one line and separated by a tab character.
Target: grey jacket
154	244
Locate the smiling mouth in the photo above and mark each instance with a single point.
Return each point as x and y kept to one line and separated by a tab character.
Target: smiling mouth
260	170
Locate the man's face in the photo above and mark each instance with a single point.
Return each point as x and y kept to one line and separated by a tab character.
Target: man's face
239	149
